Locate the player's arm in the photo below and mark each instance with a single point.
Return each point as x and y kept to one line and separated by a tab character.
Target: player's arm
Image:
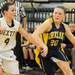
69	34
27	35
44	27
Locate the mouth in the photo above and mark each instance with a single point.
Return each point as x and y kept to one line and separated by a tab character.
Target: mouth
57	18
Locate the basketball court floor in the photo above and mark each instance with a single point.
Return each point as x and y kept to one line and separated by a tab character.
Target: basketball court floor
37	72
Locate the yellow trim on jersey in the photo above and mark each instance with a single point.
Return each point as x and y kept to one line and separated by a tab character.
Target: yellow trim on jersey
62	50
43	37
51	20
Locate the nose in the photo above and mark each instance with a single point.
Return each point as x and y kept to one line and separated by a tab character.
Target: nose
57	14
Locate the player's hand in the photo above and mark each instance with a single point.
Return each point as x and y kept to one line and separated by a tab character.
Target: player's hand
44	52
28	45
63	45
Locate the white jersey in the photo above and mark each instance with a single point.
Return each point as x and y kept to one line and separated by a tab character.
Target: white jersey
8	35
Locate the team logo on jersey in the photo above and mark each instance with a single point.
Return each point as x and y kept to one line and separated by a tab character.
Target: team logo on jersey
7	33
56	34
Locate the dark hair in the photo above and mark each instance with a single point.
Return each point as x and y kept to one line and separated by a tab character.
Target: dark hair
5	7
62	7
5	0
11	0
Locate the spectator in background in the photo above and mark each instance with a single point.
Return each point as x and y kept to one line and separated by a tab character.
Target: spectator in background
29	58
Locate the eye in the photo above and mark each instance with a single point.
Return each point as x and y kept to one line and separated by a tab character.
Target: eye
60	13
55	12
12	10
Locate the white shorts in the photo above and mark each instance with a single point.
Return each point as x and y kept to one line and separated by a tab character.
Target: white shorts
8	62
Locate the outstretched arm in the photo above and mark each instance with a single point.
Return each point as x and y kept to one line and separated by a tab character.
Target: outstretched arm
44	27
69	34
27	35
32	39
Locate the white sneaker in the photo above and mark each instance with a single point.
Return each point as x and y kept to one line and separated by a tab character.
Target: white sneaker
28	68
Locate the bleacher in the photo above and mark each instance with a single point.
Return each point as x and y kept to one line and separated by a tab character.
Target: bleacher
37	16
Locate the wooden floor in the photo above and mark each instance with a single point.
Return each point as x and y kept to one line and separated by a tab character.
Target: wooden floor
37	73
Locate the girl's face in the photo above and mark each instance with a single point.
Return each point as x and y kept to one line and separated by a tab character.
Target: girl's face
58	15
11	12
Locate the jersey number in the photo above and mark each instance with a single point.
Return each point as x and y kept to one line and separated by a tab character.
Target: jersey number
54	42
7	41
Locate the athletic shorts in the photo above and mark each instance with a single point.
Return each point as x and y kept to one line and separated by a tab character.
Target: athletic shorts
8	62
58	54
49	67
49	62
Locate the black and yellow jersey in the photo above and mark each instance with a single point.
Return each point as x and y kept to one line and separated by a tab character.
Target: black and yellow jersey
55	38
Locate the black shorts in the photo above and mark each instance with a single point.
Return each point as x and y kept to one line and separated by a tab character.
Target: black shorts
49	66
59	54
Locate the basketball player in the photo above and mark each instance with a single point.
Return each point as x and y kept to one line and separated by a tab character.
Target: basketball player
9	26
56	30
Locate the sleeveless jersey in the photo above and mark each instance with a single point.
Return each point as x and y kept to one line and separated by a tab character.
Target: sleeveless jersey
55	38
8	35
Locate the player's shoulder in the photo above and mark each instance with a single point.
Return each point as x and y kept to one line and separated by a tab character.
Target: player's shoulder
50	19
